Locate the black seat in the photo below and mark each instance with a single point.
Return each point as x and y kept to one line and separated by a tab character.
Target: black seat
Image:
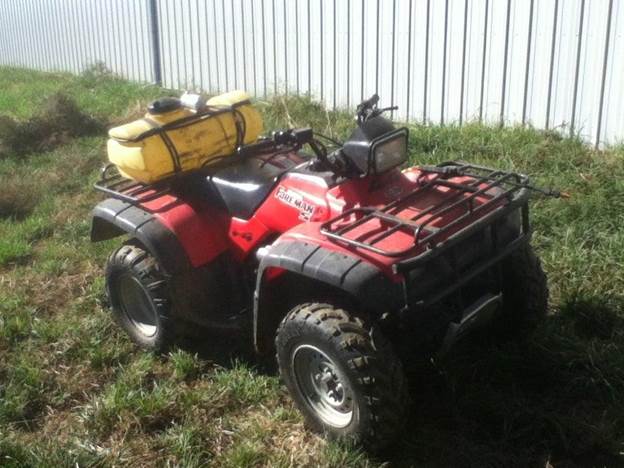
243	186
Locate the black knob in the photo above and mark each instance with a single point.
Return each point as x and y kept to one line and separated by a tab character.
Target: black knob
164	105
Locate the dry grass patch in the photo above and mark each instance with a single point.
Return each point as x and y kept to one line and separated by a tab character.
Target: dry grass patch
57	122
18	198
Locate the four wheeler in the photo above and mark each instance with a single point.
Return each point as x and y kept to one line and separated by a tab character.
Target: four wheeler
338	261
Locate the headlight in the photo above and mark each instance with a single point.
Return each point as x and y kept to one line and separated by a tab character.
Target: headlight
389	151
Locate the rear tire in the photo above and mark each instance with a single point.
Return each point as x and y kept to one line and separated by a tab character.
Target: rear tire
137	291
525	294
342	374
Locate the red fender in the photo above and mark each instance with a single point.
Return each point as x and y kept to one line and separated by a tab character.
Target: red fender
199	227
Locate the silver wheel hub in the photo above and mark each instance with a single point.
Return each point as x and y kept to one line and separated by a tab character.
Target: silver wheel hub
323	386
137	305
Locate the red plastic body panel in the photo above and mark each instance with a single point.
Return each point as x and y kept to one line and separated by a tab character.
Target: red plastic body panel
295	209
296	199
200	227
246	235
318	204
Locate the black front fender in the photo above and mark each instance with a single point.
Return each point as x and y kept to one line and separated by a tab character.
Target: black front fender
372	290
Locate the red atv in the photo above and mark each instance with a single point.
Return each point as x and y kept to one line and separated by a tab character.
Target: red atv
337	261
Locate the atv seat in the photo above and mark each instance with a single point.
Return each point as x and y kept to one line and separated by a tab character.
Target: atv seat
242	187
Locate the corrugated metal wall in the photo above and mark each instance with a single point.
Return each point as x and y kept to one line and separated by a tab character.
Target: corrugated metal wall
551	63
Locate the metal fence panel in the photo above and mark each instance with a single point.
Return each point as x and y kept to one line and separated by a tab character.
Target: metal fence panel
550	63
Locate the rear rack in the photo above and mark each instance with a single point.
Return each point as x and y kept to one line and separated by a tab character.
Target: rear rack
511	186
115	185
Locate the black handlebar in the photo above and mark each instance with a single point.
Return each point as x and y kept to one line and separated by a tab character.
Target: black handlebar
368	109
369	103
260	147
288	140
294	137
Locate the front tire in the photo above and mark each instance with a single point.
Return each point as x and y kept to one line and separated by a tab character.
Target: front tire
342	374
138	294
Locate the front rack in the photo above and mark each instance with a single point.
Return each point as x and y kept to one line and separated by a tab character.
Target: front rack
115	185
495	185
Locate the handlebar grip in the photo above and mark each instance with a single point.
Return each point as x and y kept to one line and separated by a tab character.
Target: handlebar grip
256	148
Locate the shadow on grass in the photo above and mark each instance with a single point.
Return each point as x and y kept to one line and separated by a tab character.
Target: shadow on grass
224	349
555	397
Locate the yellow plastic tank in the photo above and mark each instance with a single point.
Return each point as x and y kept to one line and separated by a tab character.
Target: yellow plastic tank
171	138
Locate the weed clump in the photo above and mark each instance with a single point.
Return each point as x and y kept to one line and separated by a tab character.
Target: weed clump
97	74
18	198
186	366
58	120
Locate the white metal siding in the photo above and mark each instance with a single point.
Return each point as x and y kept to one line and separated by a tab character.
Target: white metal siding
550	63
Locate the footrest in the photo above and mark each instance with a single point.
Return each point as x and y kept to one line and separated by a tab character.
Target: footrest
474	316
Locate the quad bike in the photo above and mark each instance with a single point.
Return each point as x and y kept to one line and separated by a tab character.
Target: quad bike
337	261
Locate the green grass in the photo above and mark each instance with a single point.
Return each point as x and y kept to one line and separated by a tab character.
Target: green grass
24	92
74	390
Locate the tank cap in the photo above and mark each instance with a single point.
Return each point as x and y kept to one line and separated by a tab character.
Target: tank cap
163	105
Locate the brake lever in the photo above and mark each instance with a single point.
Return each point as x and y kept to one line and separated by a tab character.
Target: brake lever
387	109
374	112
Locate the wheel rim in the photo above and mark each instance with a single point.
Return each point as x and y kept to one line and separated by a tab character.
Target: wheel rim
137	305
323	386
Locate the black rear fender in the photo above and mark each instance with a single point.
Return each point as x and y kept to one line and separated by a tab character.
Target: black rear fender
112	218
202	295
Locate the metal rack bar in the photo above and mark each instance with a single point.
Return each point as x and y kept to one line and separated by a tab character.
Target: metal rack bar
370	215
464	195
116	186
468	200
